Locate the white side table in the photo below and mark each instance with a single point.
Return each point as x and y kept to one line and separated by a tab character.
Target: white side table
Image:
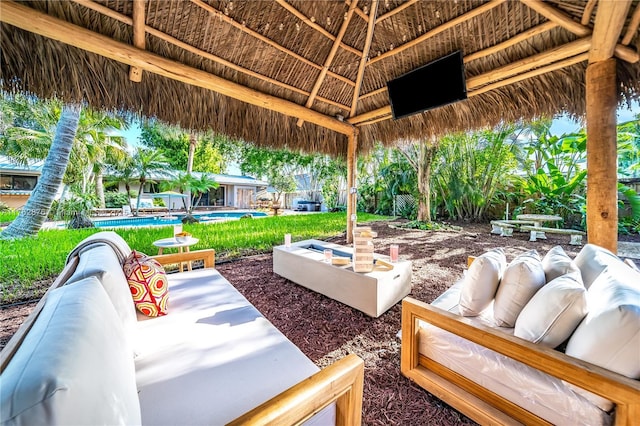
173	243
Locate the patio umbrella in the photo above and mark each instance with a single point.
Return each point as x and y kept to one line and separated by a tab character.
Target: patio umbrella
168	195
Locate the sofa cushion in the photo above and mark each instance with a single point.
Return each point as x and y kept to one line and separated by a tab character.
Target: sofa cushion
74	366
609	336
521	280
148	284
481	282
101	262
556	263
592	260
554	312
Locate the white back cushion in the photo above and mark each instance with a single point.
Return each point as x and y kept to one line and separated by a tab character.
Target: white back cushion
481	282
557	263
609	336
592	260
74	366
554	312
521	280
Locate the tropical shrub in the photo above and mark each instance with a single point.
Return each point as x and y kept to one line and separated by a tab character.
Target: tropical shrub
115	200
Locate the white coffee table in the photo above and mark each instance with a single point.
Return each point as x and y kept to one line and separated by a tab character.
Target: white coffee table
372	292
173	243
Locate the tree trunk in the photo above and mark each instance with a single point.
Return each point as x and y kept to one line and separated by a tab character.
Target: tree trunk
426	151
100	189
192	152
35	212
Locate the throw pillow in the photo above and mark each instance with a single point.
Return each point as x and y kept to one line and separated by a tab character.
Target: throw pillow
148	284
481	282
557	263
554	312
522	278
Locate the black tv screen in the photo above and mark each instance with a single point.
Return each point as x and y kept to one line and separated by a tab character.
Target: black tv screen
435	84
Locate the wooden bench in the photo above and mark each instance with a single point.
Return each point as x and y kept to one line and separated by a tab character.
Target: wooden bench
505	228
539	232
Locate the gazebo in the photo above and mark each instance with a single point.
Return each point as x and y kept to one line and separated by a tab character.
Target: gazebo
312	75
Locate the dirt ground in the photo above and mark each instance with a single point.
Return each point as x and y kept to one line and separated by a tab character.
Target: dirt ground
326	330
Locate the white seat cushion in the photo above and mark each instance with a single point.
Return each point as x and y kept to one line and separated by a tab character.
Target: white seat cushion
557	263
592	260
213	356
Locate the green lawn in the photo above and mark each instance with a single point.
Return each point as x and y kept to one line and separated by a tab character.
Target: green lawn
24	263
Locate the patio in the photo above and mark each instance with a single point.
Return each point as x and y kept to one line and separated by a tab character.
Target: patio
326	330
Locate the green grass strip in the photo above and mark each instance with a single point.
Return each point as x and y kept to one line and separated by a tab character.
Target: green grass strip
27	261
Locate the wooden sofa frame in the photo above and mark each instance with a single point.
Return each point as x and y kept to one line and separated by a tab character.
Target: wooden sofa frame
484	406
342	382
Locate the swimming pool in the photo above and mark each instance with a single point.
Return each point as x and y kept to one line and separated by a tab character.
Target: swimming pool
174	219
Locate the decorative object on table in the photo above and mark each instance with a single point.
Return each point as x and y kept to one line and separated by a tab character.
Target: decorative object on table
287	240
148	284
183	237
363	249
328	255
394	253
177	229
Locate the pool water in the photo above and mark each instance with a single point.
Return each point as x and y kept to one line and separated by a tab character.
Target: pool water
174	219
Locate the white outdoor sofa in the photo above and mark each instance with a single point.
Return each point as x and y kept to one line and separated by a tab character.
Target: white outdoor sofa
493	377
85	356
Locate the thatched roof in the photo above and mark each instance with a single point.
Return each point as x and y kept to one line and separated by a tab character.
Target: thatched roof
523	59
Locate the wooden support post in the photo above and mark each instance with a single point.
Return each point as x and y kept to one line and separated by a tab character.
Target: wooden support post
352	197
602	160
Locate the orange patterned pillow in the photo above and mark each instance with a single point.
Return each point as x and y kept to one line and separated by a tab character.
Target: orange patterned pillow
148	284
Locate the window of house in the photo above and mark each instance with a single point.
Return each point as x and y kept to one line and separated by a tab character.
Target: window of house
18	182
151	188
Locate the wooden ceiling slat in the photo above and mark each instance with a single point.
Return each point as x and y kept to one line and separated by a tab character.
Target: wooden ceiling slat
37	22
315	26
179	43
610	19
437	30
397	10
264	39
365	56
633	26
332	53
588	10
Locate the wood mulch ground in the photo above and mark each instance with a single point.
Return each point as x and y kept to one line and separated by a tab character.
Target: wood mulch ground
326	330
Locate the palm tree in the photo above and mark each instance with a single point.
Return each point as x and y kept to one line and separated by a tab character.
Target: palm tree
35	212
146	163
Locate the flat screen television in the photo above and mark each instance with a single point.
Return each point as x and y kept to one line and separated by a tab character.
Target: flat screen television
438	83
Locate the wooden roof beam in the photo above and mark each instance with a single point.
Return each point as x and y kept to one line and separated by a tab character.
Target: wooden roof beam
437	30
37	22
332	53
319	28
365	56
218	14
565	21
610	19
90	4
633	26
135	73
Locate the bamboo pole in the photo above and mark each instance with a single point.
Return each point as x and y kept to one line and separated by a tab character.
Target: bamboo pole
610	19
365	56
31	20
352	146
633	26
602	164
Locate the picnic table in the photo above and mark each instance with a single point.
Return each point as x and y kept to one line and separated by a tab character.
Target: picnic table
538	220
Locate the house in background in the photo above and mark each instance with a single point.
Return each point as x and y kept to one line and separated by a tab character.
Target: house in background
233	191
17	181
